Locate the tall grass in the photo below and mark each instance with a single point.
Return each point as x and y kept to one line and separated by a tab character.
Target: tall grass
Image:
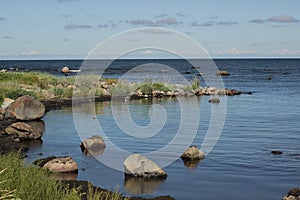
18	181
31	182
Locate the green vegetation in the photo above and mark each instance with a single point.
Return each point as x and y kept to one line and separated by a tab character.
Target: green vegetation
31	182
46	86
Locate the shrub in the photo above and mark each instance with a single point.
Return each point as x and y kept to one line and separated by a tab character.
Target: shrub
16	93
146	88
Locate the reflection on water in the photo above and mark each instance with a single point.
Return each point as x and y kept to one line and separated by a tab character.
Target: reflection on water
191	164
138	185
93	151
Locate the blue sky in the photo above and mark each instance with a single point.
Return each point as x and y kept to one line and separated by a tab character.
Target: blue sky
65	29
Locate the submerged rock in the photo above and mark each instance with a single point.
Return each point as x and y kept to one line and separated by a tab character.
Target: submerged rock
293	194
94	145
192	153
25	108
214	100
140	166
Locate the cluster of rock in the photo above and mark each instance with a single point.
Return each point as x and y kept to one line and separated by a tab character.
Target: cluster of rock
21	119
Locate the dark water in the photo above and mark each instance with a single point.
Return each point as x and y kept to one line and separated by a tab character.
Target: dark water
240	166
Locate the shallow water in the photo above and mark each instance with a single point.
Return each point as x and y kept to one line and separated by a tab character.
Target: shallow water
240	166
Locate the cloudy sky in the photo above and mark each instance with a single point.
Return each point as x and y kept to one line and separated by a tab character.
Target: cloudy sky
66	29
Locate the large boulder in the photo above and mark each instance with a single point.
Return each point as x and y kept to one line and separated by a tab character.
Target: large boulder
293	194
25	108
140	166
26	131
93	145
192	153
58	164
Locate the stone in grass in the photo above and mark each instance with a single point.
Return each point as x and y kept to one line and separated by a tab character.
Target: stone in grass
93	145
25	108
140	166
192	153
58	164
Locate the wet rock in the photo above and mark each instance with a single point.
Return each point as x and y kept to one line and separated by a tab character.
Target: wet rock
65	70
24	131
214	100
140	166
25	108
58	164
93	145
192	153
222	73
293	194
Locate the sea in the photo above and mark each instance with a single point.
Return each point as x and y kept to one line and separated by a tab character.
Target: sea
239	164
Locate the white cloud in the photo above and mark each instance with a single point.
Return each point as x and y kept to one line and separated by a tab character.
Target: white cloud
283	19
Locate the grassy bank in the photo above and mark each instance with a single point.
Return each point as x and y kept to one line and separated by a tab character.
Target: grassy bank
46	86
30	182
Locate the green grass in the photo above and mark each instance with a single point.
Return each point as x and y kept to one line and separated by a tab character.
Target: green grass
46	86
31	182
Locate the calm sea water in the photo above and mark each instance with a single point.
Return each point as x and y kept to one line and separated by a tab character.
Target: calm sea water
240	166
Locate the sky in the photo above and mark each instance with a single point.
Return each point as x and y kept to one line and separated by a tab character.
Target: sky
68	29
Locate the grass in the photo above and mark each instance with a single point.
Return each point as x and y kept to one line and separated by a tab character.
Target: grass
31	182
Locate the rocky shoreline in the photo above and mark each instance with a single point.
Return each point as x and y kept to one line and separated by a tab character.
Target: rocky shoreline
20	130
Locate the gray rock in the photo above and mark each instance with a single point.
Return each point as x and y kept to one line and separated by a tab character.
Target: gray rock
25	131
140	166
94	145
192	153
25	108
61	165
293	194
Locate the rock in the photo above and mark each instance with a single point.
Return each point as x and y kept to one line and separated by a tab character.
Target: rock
276	152
222	73
94	145
214	100
158	94
140	166
65	70
24	131
59	164
25	108
6	102
293	194
192	153
200	74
